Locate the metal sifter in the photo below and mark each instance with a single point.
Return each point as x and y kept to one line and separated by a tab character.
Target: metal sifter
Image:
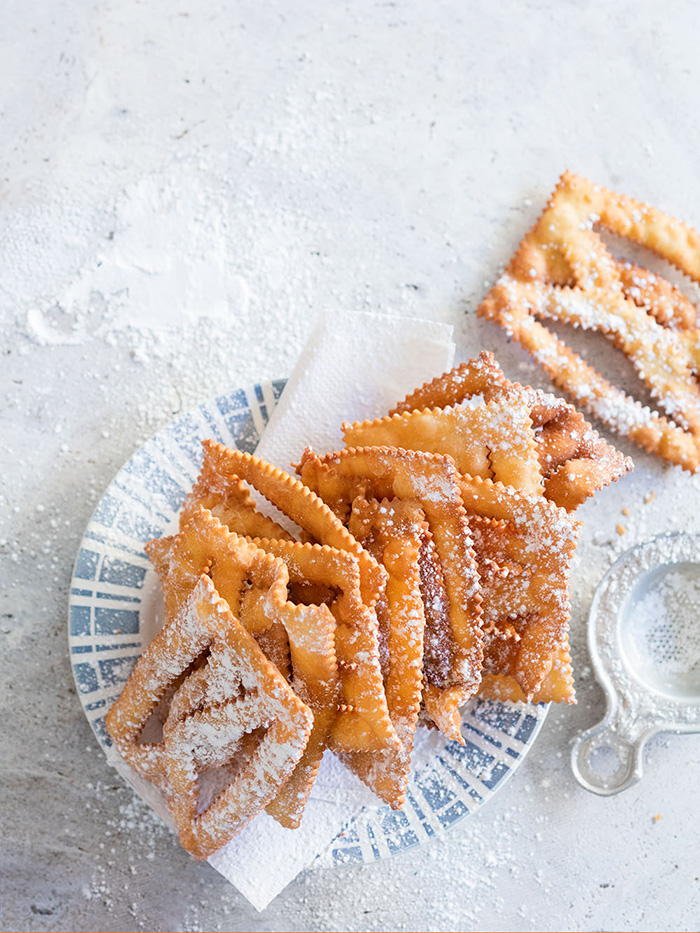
644	641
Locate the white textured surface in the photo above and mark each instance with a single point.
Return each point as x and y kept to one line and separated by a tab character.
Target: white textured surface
184	187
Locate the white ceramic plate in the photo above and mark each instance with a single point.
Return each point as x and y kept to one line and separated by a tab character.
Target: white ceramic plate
113	614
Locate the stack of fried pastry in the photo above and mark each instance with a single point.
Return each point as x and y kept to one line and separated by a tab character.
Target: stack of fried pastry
423	564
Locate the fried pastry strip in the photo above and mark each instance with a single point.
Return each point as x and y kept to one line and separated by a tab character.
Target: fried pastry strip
182	640
440	706
556	687
361	732
479	376
315	679
574	460
489	439
310	634
534	539
230	501
204	545
298	503
393	531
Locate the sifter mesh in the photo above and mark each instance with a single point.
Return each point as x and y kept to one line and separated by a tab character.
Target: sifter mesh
661	631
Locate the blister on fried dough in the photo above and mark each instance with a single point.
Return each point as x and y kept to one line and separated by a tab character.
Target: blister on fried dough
393	531
433	482
562	271
489	439
247	707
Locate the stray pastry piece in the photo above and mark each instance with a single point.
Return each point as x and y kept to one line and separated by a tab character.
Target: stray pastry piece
394	530
243	715
533	541
574	460
563	272
489	439
432	481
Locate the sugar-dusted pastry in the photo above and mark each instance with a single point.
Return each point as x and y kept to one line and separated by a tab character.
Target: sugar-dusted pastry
574	460
242	718
564	272
433	481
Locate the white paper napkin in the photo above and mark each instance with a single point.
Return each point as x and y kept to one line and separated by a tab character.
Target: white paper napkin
354	366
